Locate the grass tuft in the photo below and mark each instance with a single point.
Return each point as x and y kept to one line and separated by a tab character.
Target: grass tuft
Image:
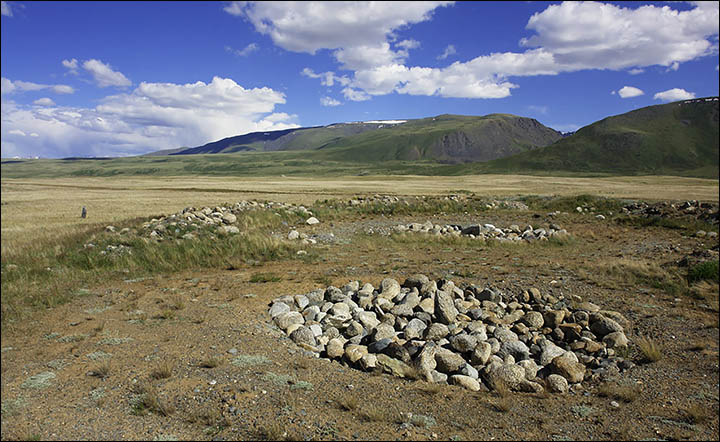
148	399
649	349
101	370
372	413
348	403
210	362
162	371
705	271
625	393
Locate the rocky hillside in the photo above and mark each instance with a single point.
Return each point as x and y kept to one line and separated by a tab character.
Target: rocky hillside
680	137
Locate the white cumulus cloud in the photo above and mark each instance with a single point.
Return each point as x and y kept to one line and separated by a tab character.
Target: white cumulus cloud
311	26
104	75
593	35
674	94
567	37
629	92
153	116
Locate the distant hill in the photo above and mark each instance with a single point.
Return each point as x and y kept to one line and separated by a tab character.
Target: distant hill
680	137
445	138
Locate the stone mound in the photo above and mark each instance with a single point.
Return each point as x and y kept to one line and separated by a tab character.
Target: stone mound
479	338
487	231
708	212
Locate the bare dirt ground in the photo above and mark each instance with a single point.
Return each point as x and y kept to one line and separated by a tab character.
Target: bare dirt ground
202	345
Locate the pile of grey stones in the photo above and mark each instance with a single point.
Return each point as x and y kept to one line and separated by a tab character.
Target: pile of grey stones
705	211
185	223
478	338
391	199
487	231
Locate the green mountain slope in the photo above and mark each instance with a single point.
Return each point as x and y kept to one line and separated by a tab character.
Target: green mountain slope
445	138
680	137
289	139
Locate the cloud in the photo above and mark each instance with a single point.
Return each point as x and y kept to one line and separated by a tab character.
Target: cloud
355	95
328	101
327	78
674	94
153	116
5	8
408	44
629	92
311	26
71	65
567	37
449	50
8	86
44	102
636	71
592	35
104	75
247	50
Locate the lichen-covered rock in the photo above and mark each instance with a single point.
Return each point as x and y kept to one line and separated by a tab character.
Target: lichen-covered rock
394	366
448	361
445	307
567	366
615	340
605	326
464	381
303	335
285	320
557	384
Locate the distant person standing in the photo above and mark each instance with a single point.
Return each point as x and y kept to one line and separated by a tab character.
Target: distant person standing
84	212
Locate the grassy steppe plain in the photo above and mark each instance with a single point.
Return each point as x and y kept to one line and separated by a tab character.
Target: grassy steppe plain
33	209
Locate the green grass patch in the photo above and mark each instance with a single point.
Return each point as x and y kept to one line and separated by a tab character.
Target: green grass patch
705	271
426	205
570	203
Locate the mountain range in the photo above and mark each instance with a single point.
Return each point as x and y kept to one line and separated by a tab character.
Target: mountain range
679	137
444	138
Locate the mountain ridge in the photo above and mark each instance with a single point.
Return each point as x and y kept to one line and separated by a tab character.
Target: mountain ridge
677	136
447	138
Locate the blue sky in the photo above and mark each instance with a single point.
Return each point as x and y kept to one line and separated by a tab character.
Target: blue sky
126	78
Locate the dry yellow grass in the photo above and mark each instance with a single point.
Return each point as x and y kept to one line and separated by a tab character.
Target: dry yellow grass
37	209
